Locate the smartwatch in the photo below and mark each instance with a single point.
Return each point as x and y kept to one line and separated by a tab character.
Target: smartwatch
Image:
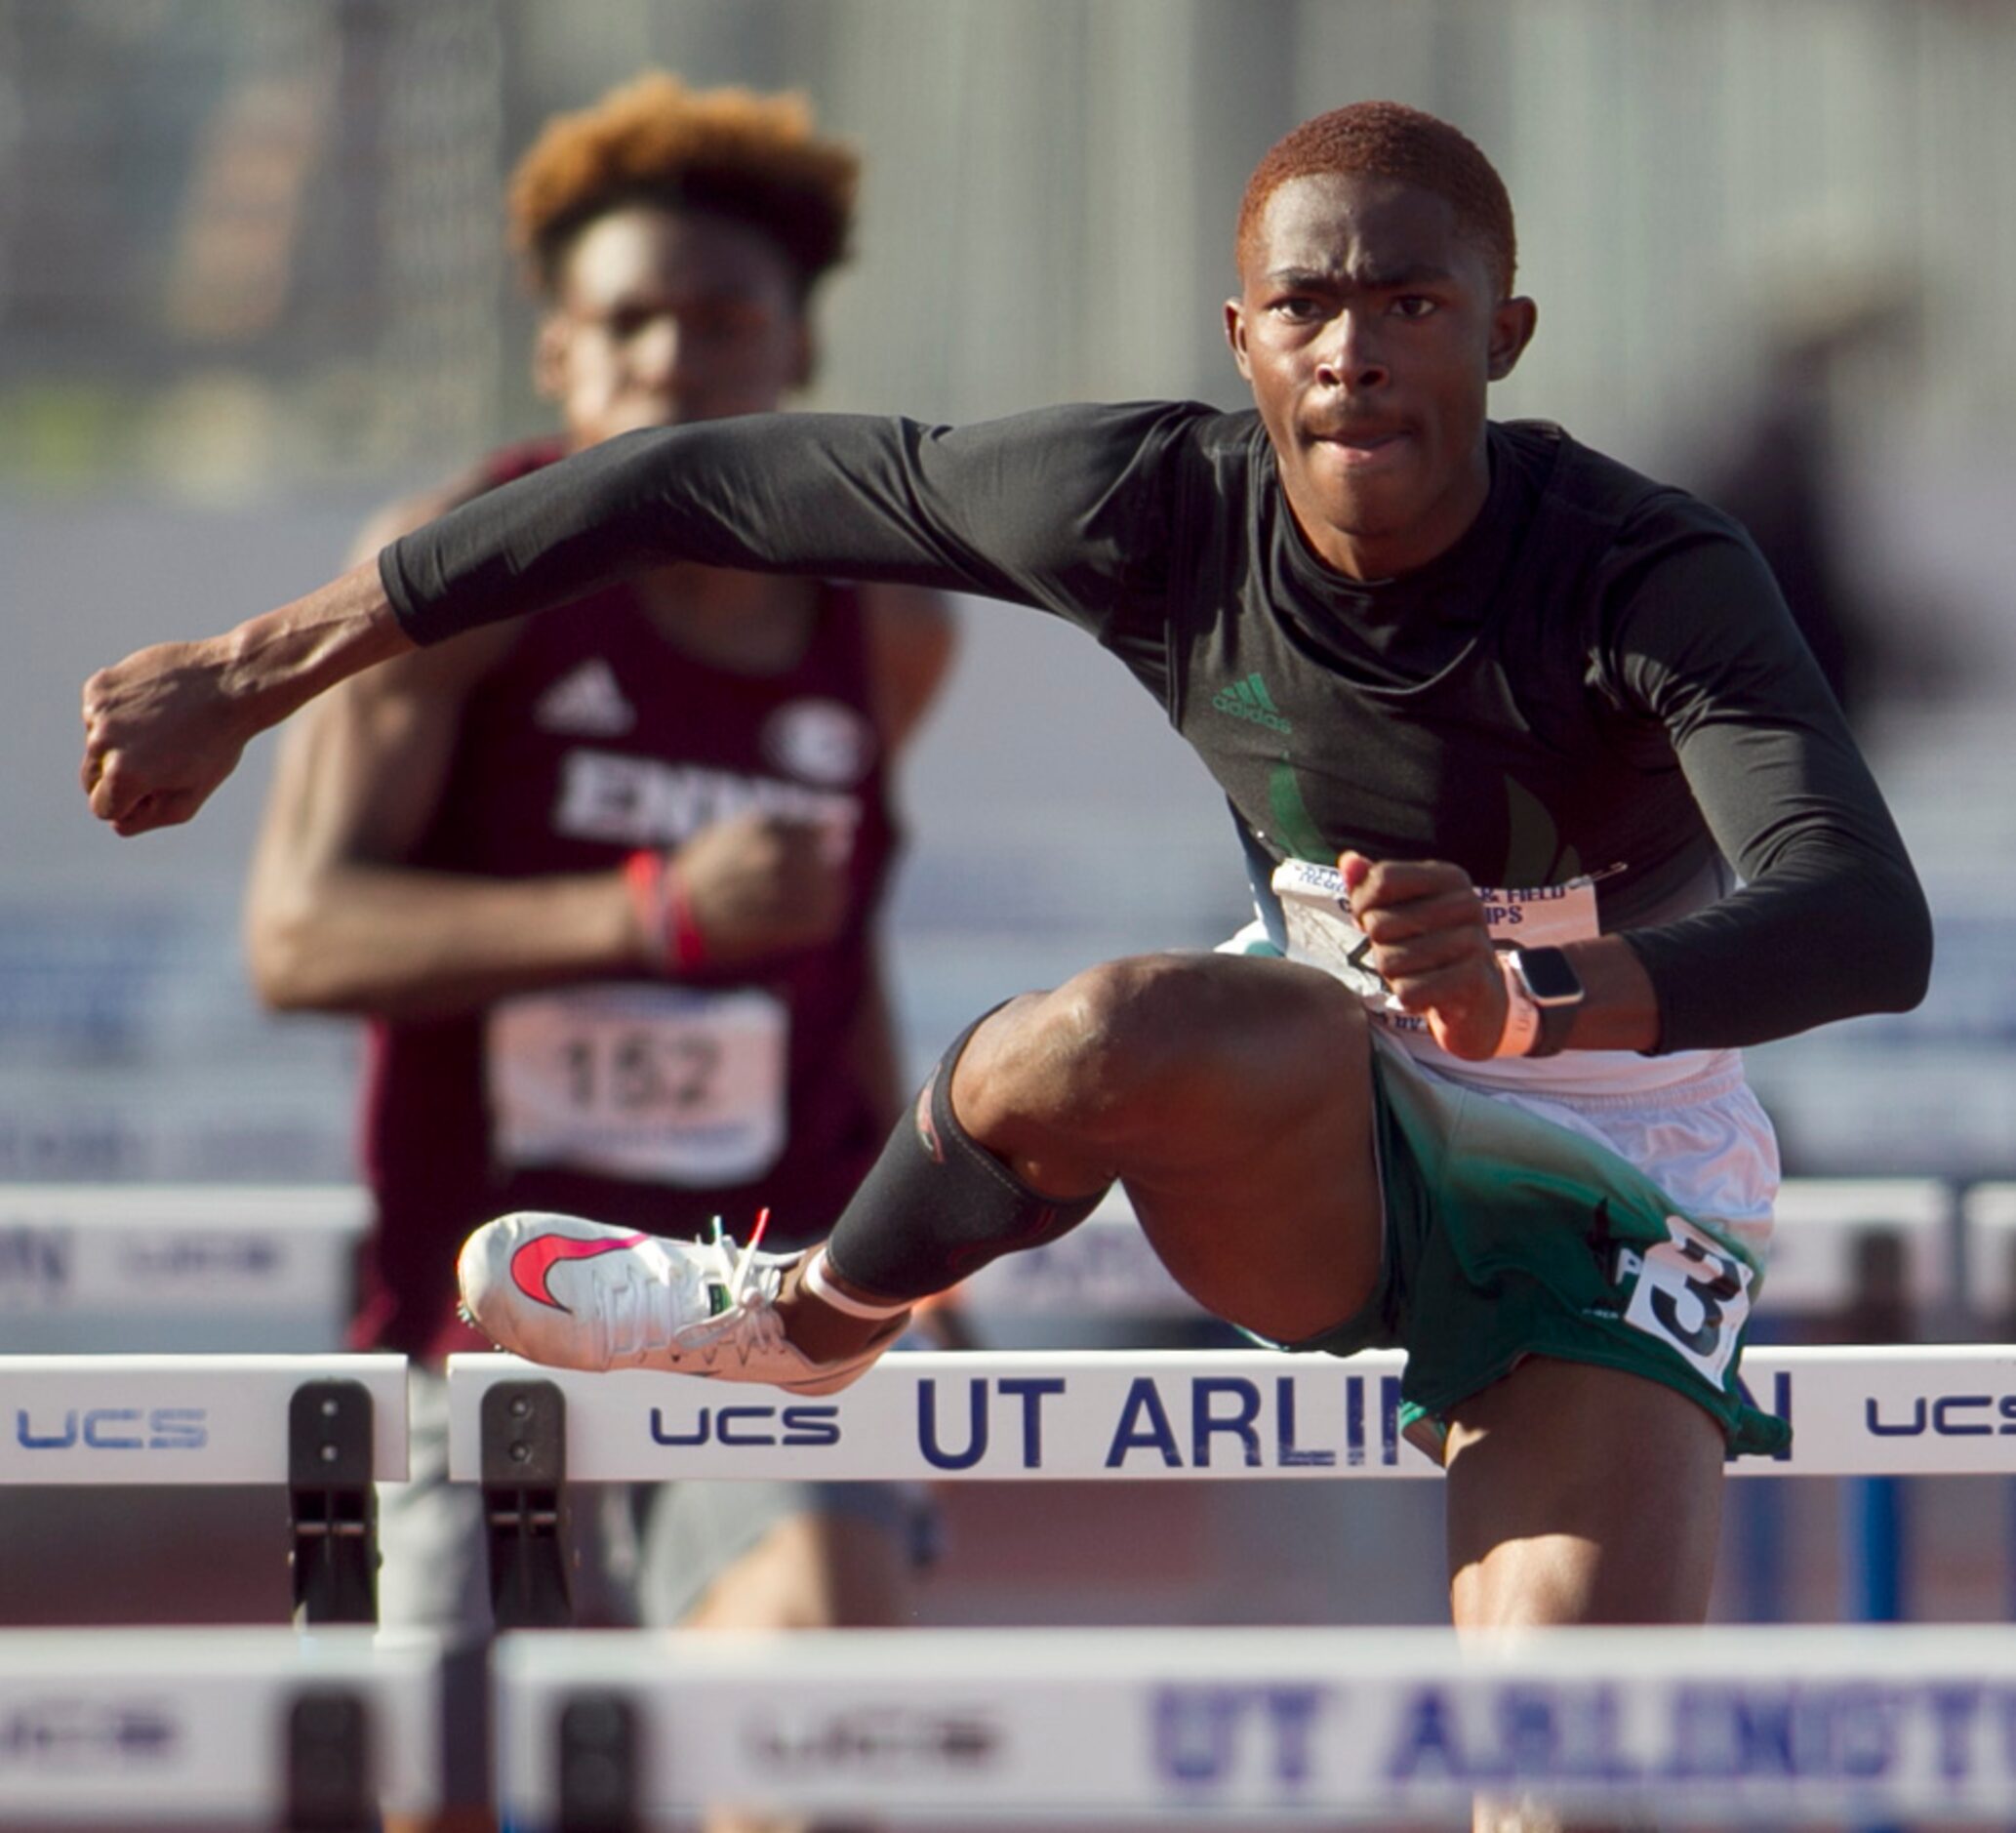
1548	978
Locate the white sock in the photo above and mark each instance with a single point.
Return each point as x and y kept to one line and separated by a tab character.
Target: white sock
820	1284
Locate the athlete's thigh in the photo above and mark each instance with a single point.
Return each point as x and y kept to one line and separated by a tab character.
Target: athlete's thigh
1231	1096
1581	1494
1256	1178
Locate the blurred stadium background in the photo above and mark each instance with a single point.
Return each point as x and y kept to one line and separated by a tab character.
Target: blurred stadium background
252	284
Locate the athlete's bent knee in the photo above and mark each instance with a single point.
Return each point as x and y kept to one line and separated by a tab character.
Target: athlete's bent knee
1158	1035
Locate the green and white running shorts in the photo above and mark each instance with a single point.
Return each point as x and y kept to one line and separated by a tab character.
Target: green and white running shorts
1510	1234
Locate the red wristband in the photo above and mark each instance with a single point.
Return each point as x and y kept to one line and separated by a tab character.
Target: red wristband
688	947
665	912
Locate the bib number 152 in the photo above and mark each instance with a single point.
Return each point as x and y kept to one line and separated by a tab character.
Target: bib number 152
664	1085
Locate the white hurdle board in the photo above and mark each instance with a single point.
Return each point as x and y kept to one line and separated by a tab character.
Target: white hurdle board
1106	1267
177	1419
176	1267
1821	1221
1238	1727
1941	1410
189	1726
1990	1213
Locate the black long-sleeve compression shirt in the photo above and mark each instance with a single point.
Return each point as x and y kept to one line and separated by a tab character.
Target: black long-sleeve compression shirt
1599	677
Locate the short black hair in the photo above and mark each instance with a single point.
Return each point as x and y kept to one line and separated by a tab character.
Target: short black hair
1388	139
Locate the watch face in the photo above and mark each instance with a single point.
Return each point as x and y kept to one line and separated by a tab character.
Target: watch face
1549	977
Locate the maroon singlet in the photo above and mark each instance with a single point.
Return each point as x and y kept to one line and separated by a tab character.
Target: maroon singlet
592	738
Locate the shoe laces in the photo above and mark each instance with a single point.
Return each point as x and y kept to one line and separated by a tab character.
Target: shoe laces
733	1291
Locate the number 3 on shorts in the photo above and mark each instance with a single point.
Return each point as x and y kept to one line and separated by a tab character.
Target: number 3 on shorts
1693	1294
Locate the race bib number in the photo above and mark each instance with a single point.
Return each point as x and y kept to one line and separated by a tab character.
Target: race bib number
659	1084
1693	1294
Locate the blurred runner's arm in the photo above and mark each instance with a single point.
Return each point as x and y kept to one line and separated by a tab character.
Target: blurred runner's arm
337	920
334	919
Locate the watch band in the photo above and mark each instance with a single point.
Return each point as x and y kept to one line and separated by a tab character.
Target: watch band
1555	1023
1522	1018
1546	978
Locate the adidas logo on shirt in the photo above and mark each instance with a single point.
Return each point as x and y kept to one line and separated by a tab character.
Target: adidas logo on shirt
1250	699
586	701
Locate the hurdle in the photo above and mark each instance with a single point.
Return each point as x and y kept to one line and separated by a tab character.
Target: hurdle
1172	1415
525	1432
1237	1728
1988	1210
177	1268
1874	1260
1989	1215
325	1426
237	1728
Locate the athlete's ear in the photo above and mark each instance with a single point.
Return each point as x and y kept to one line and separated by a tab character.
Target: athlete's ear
1511	330
549	357
1236	336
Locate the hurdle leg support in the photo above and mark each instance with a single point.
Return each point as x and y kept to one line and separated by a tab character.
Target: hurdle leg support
524	1426
329	1765
331	1502
598	1764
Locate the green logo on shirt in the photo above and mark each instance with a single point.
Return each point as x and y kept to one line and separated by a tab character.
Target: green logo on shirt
1250	699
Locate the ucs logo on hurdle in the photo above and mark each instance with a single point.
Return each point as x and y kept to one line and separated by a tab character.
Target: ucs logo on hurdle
803	1428
882	1741
41	1735
113	1429
1943	1415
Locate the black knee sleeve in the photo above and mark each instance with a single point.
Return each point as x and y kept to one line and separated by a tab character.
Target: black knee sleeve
938	1205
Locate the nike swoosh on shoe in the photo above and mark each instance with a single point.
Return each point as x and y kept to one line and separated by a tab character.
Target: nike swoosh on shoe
533	1261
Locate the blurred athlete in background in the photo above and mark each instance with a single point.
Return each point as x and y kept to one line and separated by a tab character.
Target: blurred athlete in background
608	889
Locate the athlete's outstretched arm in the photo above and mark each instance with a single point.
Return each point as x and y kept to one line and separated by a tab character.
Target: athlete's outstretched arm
1062	510
163	728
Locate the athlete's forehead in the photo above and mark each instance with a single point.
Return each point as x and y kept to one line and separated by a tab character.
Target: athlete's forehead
1360	230
651	250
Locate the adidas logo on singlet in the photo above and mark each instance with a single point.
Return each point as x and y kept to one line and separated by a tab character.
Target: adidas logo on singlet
586	701
1250	699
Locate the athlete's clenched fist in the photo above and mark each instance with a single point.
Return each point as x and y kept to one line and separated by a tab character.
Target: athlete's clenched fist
1429	942
163	728
161	731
